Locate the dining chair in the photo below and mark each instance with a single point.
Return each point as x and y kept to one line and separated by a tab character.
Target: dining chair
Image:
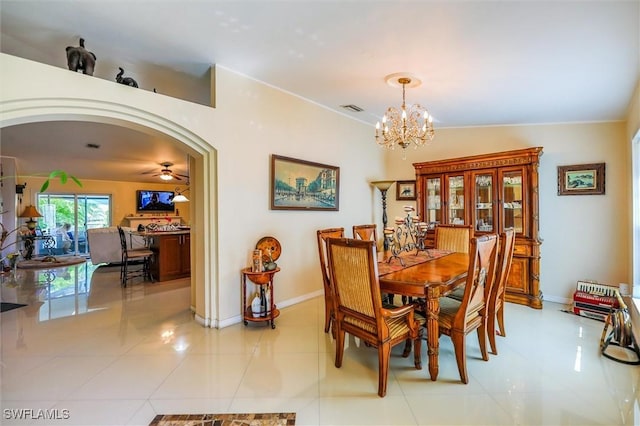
453	237
369	233
496	297
323	235
365	232
133	257
359	310
459	318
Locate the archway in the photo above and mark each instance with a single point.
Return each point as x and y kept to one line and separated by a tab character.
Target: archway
204	264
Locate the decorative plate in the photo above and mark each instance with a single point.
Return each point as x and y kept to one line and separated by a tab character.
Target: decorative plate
269	245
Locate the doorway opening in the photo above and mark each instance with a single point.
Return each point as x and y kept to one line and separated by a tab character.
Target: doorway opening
165	123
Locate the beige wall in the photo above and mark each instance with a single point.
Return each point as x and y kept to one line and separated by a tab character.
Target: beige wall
585	237
252	122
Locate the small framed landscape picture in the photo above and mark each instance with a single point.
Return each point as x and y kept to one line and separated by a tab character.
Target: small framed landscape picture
406	190
581	179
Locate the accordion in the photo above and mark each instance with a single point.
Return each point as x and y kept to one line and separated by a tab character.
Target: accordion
594	300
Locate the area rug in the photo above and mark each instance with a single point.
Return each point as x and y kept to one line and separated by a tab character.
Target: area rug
6	306
51	262
255	419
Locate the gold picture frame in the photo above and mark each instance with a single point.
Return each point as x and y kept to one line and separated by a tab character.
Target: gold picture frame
581	179
303	185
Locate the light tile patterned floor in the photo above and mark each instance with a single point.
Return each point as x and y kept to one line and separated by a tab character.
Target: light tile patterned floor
90	353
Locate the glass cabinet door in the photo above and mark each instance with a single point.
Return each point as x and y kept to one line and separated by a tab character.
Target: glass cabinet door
455	185
483	193
433	211
512	200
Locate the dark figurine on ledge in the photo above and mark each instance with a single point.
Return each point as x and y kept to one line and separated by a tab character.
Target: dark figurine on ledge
127	81
79	58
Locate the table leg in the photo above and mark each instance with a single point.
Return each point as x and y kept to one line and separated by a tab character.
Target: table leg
433	335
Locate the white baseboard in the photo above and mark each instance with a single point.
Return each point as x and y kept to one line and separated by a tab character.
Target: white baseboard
290	302
555	299
282	304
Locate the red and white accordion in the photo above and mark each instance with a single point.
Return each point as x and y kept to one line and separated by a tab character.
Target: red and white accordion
594	300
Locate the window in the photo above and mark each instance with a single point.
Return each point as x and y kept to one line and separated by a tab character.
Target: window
80	212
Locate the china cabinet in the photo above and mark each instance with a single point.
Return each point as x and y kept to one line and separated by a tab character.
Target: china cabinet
491	192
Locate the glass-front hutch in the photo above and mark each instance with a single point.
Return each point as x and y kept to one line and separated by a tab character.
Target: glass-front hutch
491	192
455	199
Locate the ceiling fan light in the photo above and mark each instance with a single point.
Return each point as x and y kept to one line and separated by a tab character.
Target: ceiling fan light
166	176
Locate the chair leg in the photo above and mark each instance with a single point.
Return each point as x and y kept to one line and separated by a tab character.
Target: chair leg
460	348
339	345
500	315
491	333
327	315
125	274
417	348
384	351
407	348
147	269
482	340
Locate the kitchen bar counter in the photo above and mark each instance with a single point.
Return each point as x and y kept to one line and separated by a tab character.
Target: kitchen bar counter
148	234
172	253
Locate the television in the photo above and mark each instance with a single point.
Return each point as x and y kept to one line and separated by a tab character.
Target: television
154	201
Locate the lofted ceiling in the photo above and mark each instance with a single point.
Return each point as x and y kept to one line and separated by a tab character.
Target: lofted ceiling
481	62
92	151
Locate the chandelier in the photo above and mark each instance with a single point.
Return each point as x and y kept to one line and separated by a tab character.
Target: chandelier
404	126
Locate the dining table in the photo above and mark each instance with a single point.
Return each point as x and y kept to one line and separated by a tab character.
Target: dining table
429	275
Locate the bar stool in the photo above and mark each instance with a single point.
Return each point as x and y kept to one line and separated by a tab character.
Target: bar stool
133	257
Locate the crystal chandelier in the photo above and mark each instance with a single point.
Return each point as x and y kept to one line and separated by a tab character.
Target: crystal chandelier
404	126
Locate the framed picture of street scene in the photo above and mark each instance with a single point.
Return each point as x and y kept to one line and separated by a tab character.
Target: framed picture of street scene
303	185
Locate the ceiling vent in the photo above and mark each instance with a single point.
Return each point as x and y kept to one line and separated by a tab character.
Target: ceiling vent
352	108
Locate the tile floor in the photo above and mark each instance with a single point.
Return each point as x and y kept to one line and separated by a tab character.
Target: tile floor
87	352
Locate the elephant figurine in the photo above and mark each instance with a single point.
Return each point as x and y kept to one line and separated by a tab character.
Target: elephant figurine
127	81
79	58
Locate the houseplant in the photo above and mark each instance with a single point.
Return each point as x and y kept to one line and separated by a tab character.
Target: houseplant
12	256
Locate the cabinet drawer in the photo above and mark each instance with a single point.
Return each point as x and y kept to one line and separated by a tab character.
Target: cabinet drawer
522	250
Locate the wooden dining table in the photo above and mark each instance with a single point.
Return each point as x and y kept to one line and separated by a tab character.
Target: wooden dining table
430	276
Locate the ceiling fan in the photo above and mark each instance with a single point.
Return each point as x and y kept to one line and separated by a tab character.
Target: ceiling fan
167	174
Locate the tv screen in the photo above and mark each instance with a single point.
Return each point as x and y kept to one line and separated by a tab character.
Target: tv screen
155	201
